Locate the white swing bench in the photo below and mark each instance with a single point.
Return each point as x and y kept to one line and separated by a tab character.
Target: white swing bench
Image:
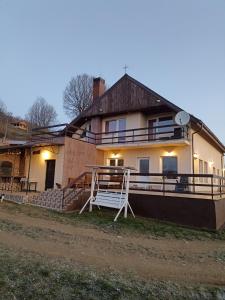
108	198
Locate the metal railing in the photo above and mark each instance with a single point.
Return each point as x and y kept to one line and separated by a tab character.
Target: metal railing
145	134
136	135
198	185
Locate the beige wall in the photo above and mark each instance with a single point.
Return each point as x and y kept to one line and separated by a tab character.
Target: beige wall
208	153
134	120
38	165
155	155
77	156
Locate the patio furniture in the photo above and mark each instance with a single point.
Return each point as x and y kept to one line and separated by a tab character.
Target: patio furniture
182	185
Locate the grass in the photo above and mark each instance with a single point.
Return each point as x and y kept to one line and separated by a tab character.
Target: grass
103	219
25	276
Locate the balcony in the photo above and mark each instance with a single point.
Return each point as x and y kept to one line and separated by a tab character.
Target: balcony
170	135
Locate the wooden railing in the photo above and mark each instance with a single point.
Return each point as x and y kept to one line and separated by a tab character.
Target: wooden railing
75	187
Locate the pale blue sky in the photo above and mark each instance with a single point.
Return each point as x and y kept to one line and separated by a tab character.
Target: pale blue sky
176	47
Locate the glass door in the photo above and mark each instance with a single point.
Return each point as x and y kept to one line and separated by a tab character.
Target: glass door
151	129
122	133
144	168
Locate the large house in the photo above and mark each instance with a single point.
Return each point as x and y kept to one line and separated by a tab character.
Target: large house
126	125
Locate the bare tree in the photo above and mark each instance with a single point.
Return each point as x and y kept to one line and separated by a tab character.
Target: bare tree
3	118
77	95
3	109
41	114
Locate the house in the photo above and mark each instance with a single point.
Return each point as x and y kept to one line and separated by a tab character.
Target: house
132	125
179	173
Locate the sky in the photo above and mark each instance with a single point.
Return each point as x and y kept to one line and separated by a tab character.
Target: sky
175	47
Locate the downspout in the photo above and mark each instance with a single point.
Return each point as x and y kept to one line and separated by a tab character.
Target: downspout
222	164
28	174
192	154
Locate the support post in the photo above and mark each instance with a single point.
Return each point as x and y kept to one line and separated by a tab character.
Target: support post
163	185
28	175
212	191
94	171
127	182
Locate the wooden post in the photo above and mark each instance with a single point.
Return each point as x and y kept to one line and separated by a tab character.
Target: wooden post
127	185
163	185
28	175
94	171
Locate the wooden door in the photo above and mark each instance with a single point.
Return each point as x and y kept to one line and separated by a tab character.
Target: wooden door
50	174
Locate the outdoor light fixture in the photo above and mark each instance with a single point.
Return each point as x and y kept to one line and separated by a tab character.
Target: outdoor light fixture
195	155
115	155
211	163
45	154
169	153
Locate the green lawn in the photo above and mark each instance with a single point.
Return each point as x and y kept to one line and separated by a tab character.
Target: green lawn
103	219
25	276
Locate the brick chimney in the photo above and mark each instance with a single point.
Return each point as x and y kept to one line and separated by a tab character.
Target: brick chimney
98	87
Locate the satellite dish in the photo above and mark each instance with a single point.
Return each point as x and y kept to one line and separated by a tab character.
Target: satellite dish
182	118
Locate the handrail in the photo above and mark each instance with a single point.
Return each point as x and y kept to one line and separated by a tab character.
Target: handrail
142	128
73	182
207	187
142	134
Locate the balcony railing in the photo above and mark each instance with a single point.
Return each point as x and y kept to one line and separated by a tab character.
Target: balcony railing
137	135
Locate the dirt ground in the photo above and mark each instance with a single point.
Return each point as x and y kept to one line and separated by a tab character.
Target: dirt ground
147	258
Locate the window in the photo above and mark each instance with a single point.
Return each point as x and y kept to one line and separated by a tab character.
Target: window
120	162
114	162
169	165
200	169
116	125
214	173
122	127
164	122
110	126
151	129
144	165
162	132
6	168
206	171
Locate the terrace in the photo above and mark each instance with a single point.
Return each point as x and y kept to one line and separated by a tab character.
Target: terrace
155	136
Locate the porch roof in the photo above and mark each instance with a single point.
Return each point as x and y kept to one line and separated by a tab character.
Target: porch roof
59	141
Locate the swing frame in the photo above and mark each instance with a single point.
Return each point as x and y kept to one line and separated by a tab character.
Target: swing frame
107	198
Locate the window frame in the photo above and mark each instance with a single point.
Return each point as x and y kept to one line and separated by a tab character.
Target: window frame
170	173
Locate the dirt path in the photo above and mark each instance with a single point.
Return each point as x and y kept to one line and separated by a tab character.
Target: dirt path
156	258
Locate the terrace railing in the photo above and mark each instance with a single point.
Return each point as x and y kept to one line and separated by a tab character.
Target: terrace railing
136	135
197	185
142	135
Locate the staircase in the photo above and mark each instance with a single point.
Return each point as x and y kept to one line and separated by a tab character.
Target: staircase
49	199
70	198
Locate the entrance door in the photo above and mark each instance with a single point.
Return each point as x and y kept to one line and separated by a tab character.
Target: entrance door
50	174
144	167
